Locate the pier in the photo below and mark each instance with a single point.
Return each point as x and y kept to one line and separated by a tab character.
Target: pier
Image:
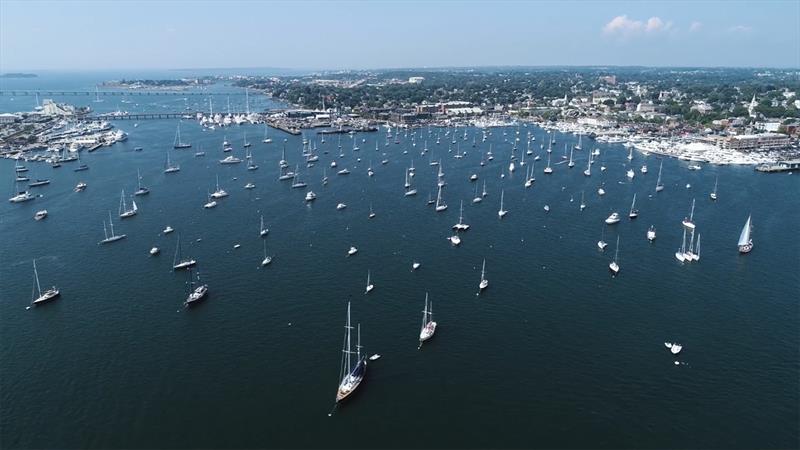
780	166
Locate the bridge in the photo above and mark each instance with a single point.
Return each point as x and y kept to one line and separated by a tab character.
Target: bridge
45	93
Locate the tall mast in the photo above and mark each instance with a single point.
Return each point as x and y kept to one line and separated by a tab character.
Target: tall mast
36	275
616	253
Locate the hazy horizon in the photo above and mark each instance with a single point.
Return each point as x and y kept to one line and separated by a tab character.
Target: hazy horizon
317	36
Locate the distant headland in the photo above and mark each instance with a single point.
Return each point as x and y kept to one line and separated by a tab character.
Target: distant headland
18	75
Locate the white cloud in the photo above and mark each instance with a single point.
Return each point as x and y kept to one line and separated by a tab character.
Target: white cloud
695	26
740	29
623	26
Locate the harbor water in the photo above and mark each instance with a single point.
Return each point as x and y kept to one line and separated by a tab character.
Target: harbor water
555	353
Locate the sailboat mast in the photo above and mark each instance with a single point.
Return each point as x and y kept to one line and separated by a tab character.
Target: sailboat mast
36	275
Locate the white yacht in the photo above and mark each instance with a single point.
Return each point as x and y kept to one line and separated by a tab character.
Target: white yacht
613	218
428	325
39	297
352	251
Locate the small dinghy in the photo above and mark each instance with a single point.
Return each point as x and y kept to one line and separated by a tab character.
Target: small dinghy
674	348
374	357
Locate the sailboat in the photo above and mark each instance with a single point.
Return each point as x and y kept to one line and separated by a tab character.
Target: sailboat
583	202
178	142
602	244
571	163
251	165
113	237
267	139
371	212
501	212
713	195
630	153
267	259
81	166
428	325
262	231
696	252
219	192
484	193
659	185
168	167
745	239
440	204
350	374
484	283
297	183
634	213
548	170
198	293
124	212
178	261
689	223
409	189
578	147
689	255
246	144
140	190
37	296
680	254
370	286
614	267
477	198
461	226
588	171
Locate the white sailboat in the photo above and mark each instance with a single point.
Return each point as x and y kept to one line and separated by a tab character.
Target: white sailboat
614	266
409	188
267	139
501	212
219	192
634	213
602	244
267	259
484	283
262	230
113	237
588	171
178	261
370	286
680	254
440	204
713	194
124	212
350	374
197	291
571	163
140	190
178	142
548	170
583	201
428	325
689	222
37	296
477	198
461	226
745	238
659	185
169	167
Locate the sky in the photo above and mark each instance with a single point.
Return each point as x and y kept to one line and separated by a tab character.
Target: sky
105	35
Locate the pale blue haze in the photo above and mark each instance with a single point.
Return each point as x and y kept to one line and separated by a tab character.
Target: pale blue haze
68	35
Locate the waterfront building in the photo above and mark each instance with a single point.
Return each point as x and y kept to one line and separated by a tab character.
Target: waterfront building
751	142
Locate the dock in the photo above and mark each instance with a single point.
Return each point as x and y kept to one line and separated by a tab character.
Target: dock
780	166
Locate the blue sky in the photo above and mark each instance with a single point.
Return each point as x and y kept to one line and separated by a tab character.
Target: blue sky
90	35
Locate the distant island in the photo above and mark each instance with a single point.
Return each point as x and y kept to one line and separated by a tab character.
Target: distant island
159	84
18	75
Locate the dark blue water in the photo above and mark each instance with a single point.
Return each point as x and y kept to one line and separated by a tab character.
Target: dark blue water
555	353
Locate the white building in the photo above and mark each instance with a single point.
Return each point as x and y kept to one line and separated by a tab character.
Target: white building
750	142
51	108
416	80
